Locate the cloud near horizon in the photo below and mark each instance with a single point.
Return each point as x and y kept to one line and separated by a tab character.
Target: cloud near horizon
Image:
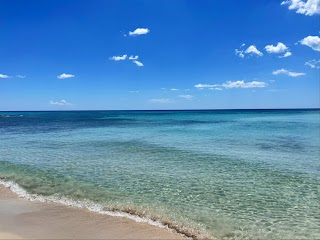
232	84
185	96
161	100
287	72
60	103
308	7
139	31
65	75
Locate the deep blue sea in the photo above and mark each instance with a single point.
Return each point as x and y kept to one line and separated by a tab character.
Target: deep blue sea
229	174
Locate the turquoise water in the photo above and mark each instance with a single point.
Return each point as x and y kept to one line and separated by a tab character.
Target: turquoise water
236	174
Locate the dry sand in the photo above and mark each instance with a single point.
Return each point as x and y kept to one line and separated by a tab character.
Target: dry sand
20	218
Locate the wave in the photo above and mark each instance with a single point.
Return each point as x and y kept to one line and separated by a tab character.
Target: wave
129	213
7	116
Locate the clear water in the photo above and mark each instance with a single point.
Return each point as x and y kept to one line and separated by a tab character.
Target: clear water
235	174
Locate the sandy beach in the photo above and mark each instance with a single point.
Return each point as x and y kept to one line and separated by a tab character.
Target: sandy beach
23	219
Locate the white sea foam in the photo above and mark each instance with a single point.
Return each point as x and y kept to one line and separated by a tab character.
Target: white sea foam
91	206
99	209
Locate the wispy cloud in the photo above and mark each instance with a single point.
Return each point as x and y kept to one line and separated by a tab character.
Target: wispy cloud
60	103
312	42
287	54
232	84
243	84
186	96
138	63
251	50
125	57
65	75
308	7
287	72
133	57
239	53
119	58
4	76
161	100
174	89
139	31
21	76
313	64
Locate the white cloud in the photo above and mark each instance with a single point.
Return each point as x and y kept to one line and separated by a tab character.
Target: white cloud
174	89
311	41
139	31
200	85
119	58
20	76
161	100
60	103
216	88
232	84
239	53
133	57
243	84
308	7
65	75
286	72
313	64
134	91
4	76
125	57
185	96
253	50
139	64
287	54
280	48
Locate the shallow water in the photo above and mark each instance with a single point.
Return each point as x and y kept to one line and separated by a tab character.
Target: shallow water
234	174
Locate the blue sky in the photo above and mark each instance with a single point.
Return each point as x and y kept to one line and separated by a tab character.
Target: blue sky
73	55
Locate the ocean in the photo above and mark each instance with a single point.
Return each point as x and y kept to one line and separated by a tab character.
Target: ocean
225	174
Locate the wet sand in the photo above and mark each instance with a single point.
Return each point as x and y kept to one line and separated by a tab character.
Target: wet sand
21	219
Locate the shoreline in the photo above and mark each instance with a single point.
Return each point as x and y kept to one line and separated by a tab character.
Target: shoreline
21	218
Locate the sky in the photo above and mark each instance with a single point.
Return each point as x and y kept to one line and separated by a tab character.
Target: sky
159	54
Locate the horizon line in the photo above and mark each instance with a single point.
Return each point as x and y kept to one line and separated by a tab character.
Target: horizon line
187	109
